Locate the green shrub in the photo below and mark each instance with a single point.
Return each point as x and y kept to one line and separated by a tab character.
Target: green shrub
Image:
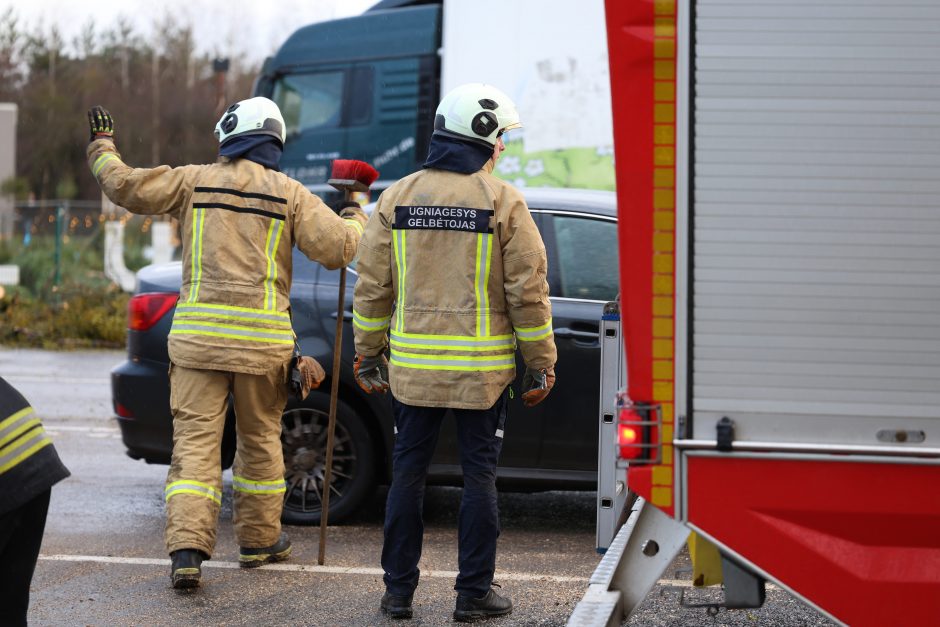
80	317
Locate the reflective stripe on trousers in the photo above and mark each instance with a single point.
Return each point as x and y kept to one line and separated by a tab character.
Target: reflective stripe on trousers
197	488
249	486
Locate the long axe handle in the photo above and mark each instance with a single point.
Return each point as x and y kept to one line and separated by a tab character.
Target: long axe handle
331	426
349	177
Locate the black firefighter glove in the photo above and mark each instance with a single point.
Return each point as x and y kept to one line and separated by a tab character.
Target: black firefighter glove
347	209
536	384
100	123
371	373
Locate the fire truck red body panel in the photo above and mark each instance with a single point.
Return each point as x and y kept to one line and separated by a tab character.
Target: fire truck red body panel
855	531
860	540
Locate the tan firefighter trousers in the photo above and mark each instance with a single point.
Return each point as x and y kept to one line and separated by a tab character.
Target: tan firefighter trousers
198	400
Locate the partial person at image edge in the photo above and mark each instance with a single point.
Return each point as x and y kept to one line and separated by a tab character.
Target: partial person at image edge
29	467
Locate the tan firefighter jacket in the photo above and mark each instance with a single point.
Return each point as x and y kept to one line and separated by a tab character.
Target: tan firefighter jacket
452	275
238	222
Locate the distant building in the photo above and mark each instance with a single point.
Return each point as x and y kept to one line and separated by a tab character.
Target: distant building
8	112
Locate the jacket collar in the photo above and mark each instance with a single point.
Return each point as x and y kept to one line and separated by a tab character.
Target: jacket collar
262	149
447	153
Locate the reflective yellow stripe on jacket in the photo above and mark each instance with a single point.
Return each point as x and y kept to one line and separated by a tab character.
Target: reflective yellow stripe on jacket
21	435
270	247
199	219
400	245
235	323
443	352
481	282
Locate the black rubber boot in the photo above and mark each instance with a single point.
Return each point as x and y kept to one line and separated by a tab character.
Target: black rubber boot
396	606
491	604
277	552
186	567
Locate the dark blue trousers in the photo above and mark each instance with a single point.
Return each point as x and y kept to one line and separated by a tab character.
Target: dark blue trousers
479	436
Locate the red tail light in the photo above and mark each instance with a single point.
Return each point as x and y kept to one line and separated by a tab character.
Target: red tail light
122	411
630	435
144	310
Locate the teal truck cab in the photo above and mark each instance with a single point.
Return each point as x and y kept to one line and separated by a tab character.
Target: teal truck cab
366	87
363	87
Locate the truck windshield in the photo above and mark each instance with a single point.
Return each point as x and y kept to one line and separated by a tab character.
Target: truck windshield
310	101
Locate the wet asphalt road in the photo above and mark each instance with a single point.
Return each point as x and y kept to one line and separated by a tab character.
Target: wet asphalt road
103	560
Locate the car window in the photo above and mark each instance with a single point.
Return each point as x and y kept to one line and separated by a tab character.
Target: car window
310	101
587	257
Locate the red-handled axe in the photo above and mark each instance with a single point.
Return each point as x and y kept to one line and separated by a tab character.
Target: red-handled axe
347	176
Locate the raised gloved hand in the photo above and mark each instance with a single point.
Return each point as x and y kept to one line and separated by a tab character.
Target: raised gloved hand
100	123
371	373
536	384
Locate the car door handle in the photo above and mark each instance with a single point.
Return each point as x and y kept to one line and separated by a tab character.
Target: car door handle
571	334
347	316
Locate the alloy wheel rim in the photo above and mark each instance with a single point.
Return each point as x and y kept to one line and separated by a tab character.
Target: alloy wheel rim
303	440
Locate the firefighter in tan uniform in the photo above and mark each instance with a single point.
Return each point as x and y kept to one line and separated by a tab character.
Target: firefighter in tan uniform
452	280
231	333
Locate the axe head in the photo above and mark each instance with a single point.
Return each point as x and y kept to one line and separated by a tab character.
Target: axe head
352	176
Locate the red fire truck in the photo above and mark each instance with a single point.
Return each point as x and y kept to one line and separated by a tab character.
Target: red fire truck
778	176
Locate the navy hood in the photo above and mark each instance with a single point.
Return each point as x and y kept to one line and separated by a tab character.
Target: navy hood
262	149
448	153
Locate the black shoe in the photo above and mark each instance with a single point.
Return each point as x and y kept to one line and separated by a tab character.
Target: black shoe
277	552
396	606
186	567
491	604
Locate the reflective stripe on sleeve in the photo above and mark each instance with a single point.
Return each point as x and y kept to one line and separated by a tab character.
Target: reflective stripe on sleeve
355	224
24	448
533	334
197	488
249	486
101	161
16	423
370	324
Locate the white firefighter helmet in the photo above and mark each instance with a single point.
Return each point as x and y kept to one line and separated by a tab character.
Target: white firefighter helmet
476	112
254	116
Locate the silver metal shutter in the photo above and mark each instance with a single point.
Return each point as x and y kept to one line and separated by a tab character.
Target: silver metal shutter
816	226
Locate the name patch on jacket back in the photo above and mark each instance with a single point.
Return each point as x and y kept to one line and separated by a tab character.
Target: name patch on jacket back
443	218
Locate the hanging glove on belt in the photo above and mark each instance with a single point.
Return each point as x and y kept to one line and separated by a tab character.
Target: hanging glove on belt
536	384
306	374
371	373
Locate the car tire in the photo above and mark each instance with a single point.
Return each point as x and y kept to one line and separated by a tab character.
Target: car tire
303	439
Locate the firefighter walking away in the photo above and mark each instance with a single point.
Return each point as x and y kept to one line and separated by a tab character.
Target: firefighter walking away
231	335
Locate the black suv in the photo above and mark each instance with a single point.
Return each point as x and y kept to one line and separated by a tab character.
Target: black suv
551	446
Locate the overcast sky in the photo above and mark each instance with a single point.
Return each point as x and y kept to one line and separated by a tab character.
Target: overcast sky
224	28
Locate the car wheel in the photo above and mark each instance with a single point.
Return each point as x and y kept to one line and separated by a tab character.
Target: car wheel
303	439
